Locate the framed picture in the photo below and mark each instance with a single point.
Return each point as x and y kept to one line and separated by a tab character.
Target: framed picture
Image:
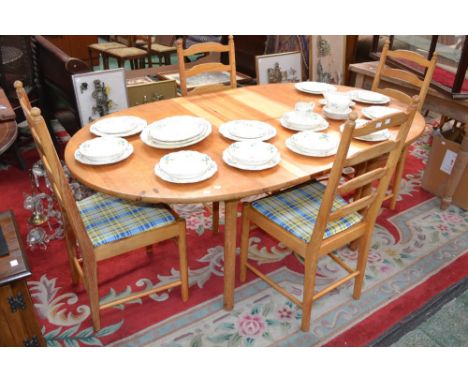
279	67
99	93
328	59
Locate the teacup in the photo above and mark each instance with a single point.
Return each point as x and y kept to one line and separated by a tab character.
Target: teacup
337	102
304	109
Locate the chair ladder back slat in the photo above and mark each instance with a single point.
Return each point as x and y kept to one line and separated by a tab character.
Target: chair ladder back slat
371	153
361	180
354	206
402	75
409	55
207	67
397	94
206	47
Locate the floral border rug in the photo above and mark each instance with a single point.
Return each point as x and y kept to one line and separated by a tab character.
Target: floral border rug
410	244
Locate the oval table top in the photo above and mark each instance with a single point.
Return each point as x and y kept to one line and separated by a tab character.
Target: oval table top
134	178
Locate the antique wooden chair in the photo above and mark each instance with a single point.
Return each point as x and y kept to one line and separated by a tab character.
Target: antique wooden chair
104	226
135	55
162	47
101	47
314	220
411	59
207	67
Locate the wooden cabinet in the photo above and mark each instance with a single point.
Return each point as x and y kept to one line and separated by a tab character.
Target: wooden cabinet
18	323
75	46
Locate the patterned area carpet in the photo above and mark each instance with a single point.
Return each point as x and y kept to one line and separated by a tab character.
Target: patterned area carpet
410	244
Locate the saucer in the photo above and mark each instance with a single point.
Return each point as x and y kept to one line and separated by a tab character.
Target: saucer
336	115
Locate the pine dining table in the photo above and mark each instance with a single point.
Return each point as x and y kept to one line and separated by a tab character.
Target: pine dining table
134	178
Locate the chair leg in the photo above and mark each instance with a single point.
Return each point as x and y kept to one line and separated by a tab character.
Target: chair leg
90	56
397	179
183	265
310	269
90	275
363	253
244	247
71	251
105	61
215	217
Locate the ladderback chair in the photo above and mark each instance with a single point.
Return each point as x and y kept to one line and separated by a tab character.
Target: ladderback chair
104	226
314	220
206	67
411	59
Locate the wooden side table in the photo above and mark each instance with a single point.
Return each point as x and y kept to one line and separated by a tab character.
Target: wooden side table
18	323
8	129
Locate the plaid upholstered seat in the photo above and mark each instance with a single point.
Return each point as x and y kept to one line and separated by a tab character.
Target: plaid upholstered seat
296	211
109	219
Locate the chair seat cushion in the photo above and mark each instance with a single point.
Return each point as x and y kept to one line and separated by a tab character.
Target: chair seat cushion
159	48
109	219
128	52
103	46
296	211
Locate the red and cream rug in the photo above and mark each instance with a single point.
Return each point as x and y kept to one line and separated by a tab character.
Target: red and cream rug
417	251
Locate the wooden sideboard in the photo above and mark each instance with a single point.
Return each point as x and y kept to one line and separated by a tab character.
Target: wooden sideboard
18	323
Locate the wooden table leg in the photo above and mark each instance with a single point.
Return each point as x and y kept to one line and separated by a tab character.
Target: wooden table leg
230	226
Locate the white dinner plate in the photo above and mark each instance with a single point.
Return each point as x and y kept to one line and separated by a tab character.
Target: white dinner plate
83	159
314	87
185	167
311	141
185	164
229	160
373	112
178	128
335	115
252	153
243	130
144	136
366	96
103	149
312	121
122	126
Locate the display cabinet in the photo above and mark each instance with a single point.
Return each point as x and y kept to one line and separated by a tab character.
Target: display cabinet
450	75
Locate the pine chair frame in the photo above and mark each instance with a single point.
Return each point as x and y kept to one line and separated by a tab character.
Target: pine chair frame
206	47
409	77
84	267
367	203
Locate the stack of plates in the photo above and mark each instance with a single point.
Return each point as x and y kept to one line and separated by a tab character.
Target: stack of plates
118	126
373	112
314	87
366	96
381	135
103	150
244	130
313	144
185	167
252	155
300	121
332	114
176	132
